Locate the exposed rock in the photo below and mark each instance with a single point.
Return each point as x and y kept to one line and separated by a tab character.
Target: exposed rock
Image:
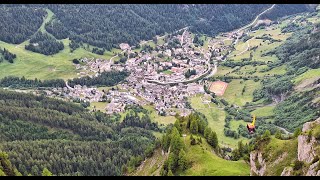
308	125
287	171
306	151
280	158
312	169
257	156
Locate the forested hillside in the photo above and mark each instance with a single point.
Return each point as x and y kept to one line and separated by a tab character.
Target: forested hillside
39	132
19	22
106	26
286	9
299	53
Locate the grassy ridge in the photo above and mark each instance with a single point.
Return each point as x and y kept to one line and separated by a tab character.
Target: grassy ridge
310	74
34	65
263	111
206	163
216	120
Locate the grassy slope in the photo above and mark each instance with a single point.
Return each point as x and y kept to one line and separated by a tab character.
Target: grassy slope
160	119
263	111
233	94
275	149
206	163
152	165
35	65
46	20
310	74
235	124
216	120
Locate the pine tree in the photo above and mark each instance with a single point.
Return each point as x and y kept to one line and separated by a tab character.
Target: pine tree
17	173
297	132
192	140
207	132
178	126
194	126
182	160
172	161
266	135
278	134
170	173
2	173
46	172
215	139
176	141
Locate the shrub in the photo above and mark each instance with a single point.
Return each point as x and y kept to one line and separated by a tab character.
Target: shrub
298	165
315	159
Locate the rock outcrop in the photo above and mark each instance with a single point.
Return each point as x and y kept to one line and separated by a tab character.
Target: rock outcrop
312	171
287	171
307	152
307	145
257	163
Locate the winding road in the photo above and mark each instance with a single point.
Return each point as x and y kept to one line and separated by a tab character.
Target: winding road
254	21
257	17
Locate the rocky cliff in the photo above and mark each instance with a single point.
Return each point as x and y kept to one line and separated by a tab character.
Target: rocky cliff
297	156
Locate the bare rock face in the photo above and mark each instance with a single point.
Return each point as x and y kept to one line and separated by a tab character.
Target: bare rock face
306	151
257	157
312	171
287	171
308	125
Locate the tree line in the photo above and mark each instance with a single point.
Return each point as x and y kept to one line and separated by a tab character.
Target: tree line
39	132
16	82
196	125
44	44
7	55
107	78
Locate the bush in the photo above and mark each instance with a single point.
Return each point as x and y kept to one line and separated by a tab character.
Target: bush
298	165
315	159
75	61
316	133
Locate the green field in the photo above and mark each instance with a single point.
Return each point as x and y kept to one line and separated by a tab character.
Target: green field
250	70
233	94
310	74
34	65
263	111
216	120
234	124
167	72
157	118
274	31
223	70
98	105
206	163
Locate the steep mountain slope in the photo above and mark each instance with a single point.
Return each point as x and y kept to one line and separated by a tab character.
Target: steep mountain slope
106	26
297	156
39	132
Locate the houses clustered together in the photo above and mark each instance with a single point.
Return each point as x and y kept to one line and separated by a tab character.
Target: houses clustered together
92	67
150	71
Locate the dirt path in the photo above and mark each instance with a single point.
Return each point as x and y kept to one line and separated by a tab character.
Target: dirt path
281	128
